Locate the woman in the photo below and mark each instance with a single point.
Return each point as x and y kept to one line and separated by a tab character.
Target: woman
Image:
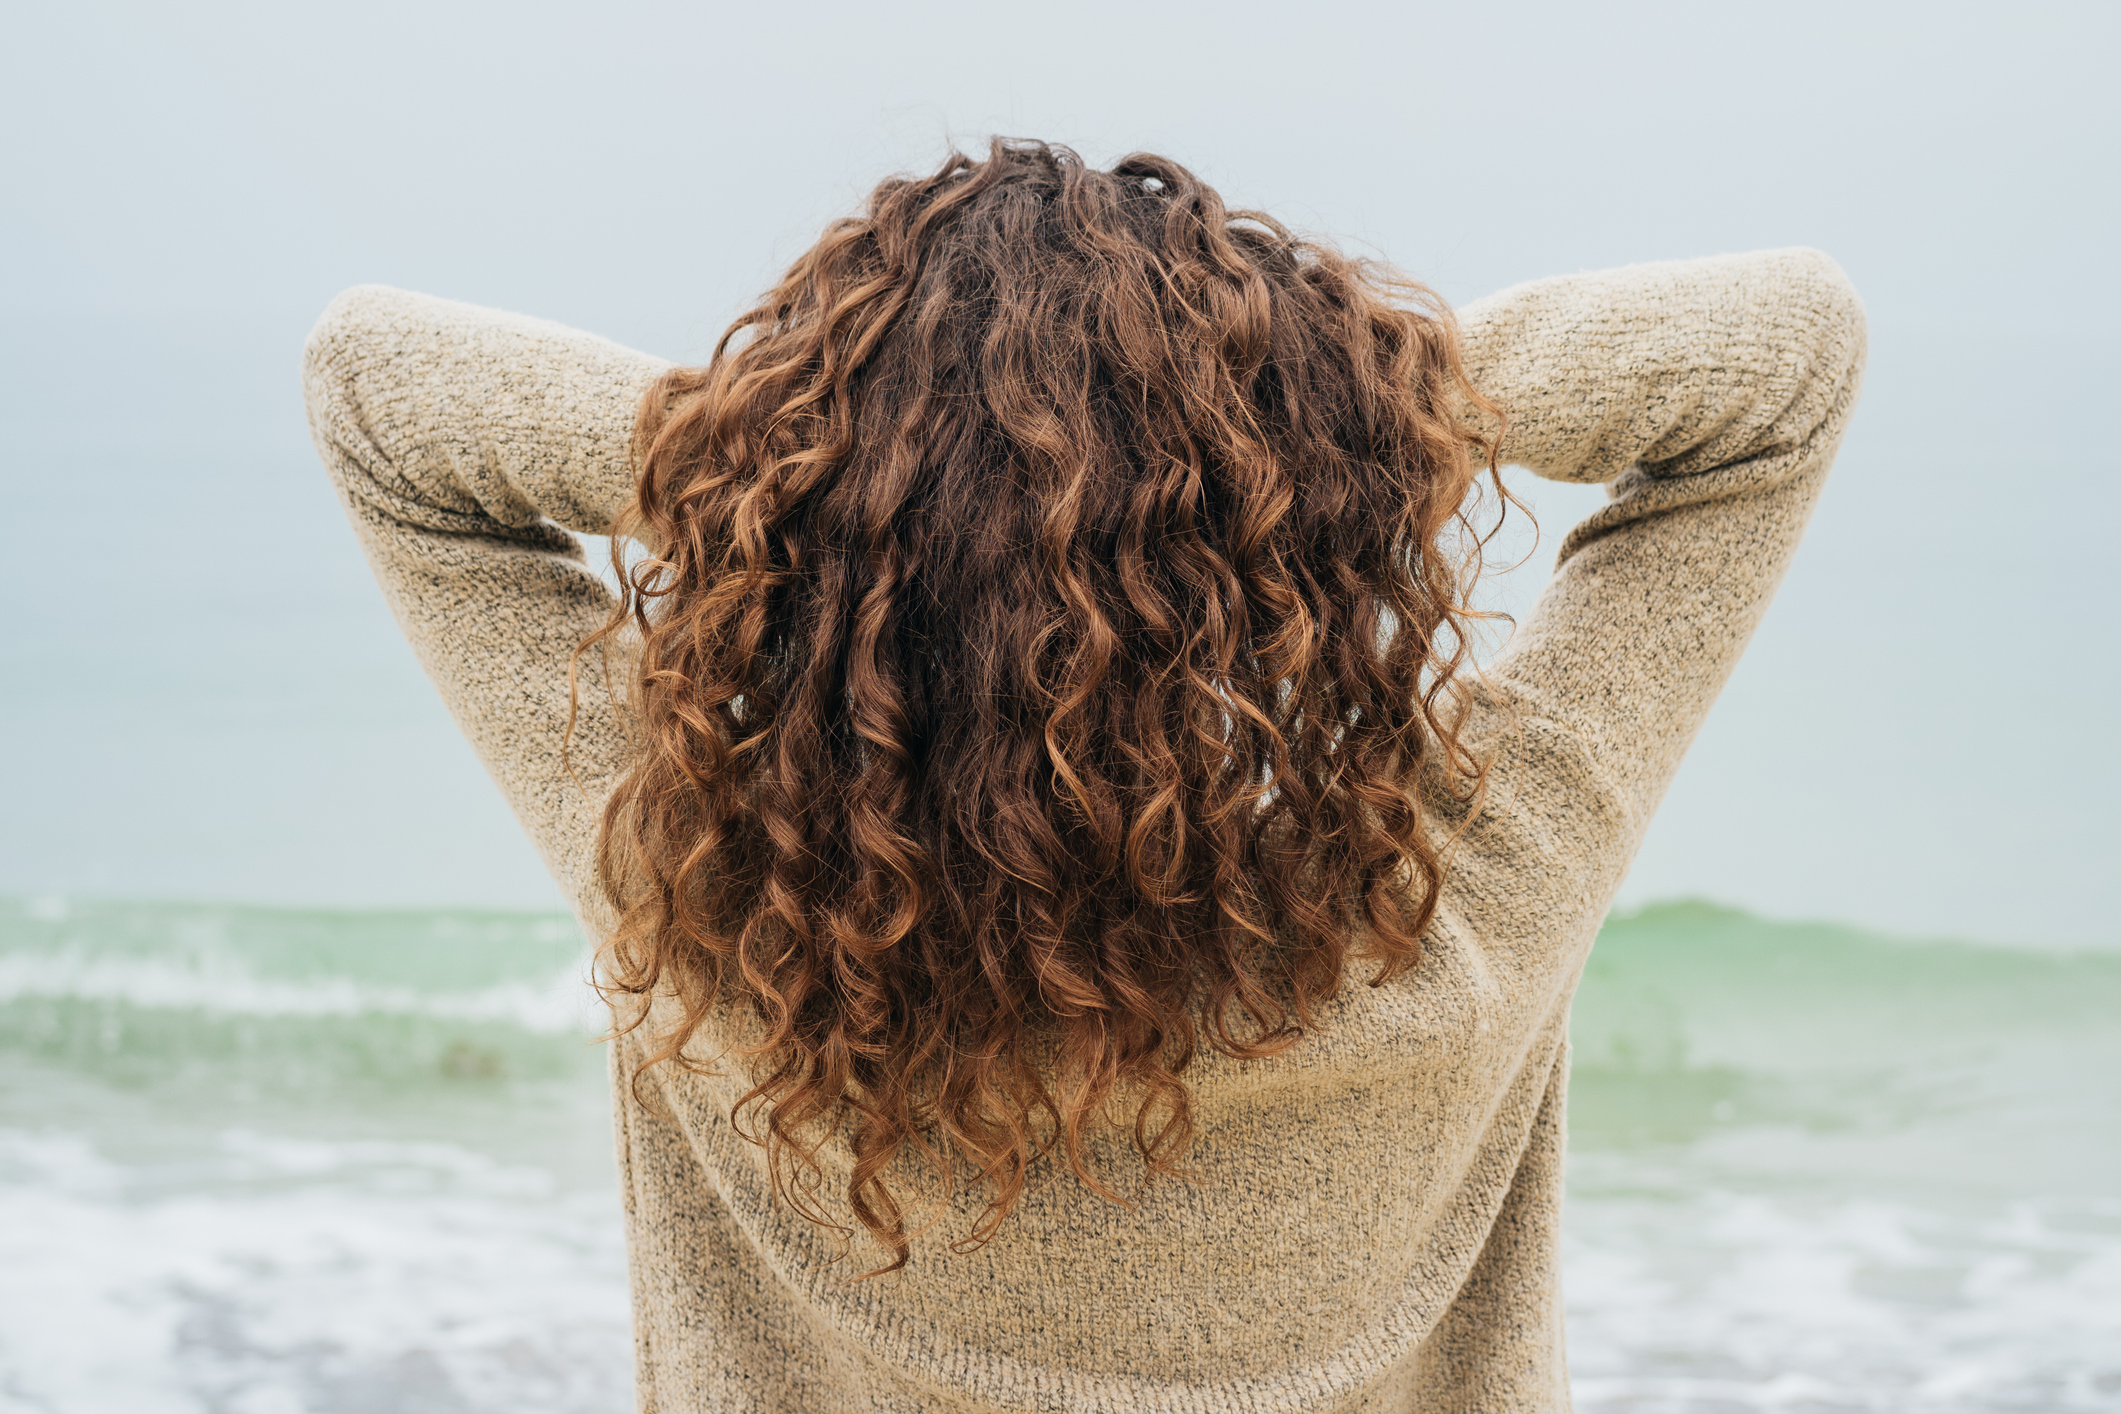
1080	935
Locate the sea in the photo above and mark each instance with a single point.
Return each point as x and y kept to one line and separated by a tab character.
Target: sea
259	1161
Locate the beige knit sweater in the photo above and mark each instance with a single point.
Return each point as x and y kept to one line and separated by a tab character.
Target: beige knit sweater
1374	1222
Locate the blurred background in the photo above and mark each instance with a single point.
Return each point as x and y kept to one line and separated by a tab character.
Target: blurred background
297	1109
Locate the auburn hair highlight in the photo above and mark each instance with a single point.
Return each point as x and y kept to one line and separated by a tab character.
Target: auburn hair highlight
1051	598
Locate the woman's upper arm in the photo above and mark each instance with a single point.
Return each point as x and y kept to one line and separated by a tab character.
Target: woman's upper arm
465	444
474	419
1711	395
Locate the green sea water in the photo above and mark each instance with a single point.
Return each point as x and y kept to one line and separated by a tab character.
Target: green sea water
263	1160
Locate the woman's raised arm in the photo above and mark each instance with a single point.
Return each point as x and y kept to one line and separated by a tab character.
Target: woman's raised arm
1710	395
465	444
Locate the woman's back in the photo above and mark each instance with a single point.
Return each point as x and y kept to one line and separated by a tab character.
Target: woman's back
1367	1219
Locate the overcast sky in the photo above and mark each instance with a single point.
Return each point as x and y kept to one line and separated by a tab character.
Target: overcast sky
203	694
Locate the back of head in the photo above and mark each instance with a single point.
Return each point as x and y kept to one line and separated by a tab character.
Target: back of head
1041	652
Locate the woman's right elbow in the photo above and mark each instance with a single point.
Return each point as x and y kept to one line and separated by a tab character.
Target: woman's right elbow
1841	331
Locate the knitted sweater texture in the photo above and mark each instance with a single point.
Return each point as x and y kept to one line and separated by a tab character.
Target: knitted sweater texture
1372	1222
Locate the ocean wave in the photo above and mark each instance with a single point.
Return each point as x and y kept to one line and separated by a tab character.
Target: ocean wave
525	970
562	1002
1707	1298
480	1286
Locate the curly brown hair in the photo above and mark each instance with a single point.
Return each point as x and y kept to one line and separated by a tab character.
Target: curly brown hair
1053	590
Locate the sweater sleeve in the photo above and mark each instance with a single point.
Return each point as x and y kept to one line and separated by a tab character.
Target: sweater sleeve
465	444
1710	395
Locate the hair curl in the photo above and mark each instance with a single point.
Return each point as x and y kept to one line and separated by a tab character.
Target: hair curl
1052	590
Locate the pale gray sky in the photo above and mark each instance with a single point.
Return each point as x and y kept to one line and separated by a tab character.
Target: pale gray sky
204	696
